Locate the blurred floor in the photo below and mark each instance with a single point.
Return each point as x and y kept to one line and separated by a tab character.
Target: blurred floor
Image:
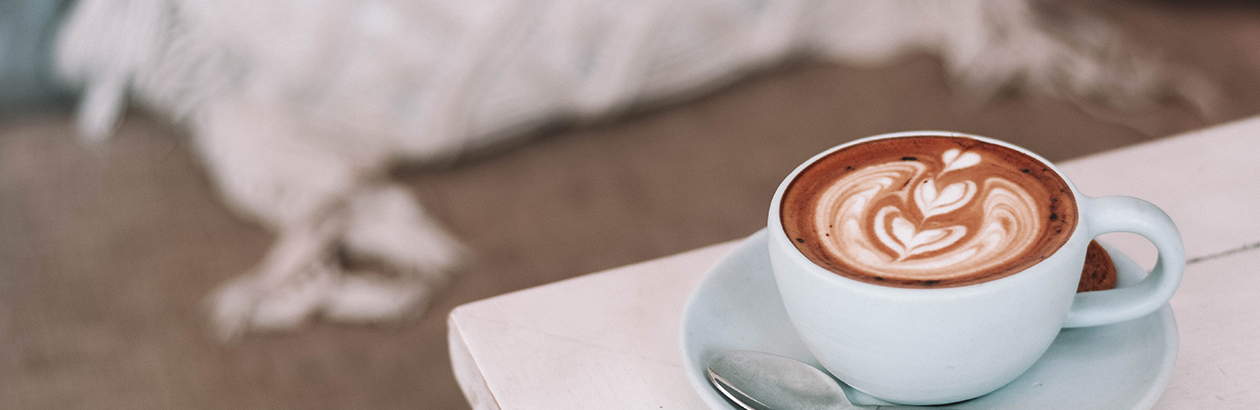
105	255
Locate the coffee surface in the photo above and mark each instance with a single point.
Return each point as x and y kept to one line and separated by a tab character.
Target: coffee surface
928	211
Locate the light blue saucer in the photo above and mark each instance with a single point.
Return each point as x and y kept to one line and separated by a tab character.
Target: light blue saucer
1116	367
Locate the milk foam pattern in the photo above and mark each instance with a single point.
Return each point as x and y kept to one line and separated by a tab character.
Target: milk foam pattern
927	220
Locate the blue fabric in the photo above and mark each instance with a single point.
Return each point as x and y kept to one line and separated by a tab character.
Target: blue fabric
27	82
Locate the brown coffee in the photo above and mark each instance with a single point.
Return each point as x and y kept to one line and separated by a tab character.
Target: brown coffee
927	211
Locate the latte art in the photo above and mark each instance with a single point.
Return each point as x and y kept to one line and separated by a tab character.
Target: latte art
908	220
929	211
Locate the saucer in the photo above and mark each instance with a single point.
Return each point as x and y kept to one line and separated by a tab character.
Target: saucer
1120	366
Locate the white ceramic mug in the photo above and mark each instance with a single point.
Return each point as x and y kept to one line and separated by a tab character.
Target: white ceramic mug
944	345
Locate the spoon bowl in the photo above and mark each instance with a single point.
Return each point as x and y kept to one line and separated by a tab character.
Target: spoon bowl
762	381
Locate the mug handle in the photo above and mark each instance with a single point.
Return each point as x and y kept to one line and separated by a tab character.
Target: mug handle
1128	214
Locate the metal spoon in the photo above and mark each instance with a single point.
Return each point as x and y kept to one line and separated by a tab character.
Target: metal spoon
763	381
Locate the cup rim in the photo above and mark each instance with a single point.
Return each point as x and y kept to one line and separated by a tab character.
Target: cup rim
779	237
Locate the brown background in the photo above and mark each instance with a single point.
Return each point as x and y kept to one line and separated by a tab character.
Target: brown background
106	254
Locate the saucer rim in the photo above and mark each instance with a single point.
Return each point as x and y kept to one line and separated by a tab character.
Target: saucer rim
715	402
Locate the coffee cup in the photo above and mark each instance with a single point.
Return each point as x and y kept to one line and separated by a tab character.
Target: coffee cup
932	267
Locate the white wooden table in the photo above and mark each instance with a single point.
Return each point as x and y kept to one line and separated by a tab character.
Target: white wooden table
608	340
